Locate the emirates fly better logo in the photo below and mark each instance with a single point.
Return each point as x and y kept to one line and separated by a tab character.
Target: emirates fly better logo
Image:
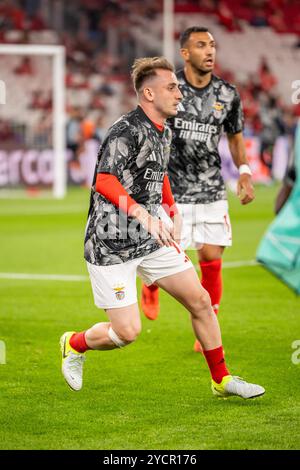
195	130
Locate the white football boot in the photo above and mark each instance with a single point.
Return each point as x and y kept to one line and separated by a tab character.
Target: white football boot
235	386
72	362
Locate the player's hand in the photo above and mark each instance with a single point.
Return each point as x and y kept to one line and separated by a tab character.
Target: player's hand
245	190
156	227
159	230
177	228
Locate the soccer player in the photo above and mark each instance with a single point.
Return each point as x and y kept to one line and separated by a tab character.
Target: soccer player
209	106
124	237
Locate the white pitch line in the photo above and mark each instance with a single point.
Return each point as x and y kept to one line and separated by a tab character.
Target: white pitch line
43	277
40	211
239	264
78	278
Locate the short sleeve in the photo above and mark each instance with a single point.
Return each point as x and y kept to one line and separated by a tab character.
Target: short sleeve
234	121
115	151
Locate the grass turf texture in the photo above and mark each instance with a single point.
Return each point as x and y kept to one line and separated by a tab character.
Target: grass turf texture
155	394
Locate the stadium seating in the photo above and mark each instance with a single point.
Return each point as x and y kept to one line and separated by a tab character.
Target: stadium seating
96	55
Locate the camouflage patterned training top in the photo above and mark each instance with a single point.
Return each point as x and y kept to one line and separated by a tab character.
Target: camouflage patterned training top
137	153
195	163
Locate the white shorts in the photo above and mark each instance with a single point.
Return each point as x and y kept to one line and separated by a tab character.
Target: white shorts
205	224
114	286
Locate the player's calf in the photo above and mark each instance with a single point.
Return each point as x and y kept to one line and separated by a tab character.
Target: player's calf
204	321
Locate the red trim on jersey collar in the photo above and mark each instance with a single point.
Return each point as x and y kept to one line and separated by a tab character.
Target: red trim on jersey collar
159	126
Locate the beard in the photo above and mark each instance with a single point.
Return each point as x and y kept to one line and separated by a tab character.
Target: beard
202	69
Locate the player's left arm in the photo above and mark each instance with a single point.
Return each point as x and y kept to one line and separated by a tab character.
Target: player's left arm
233	126
245	190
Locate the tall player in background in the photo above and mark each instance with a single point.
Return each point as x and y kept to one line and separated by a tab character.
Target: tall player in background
209	106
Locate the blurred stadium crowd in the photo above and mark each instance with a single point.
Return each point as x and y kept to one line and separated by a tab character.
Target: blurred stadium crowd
102	38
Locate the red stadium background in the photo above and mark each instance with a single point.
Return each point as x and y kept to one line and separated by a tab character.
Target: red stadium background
258	50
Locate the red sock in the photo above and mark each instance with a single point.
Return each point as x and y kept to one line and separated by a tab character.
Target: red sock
216	363
152	287
77	342
212	281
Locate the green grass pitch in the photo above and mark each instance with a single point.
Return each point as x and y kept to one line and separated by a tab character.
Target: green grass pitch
155	394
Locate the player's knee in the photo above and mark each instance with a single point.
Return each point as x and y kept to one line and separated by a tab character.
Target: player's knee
200	303
129	334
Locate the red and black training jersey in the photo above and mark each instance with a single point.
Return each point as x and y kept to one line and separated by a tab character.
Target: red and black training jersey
137	153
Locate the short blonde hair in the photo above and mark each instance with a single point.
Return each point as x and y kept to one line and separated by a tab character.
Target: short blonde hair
146	67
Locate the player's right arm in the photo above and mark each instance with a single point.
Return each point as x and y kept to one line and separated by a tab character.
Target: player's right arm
156	227
113	158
